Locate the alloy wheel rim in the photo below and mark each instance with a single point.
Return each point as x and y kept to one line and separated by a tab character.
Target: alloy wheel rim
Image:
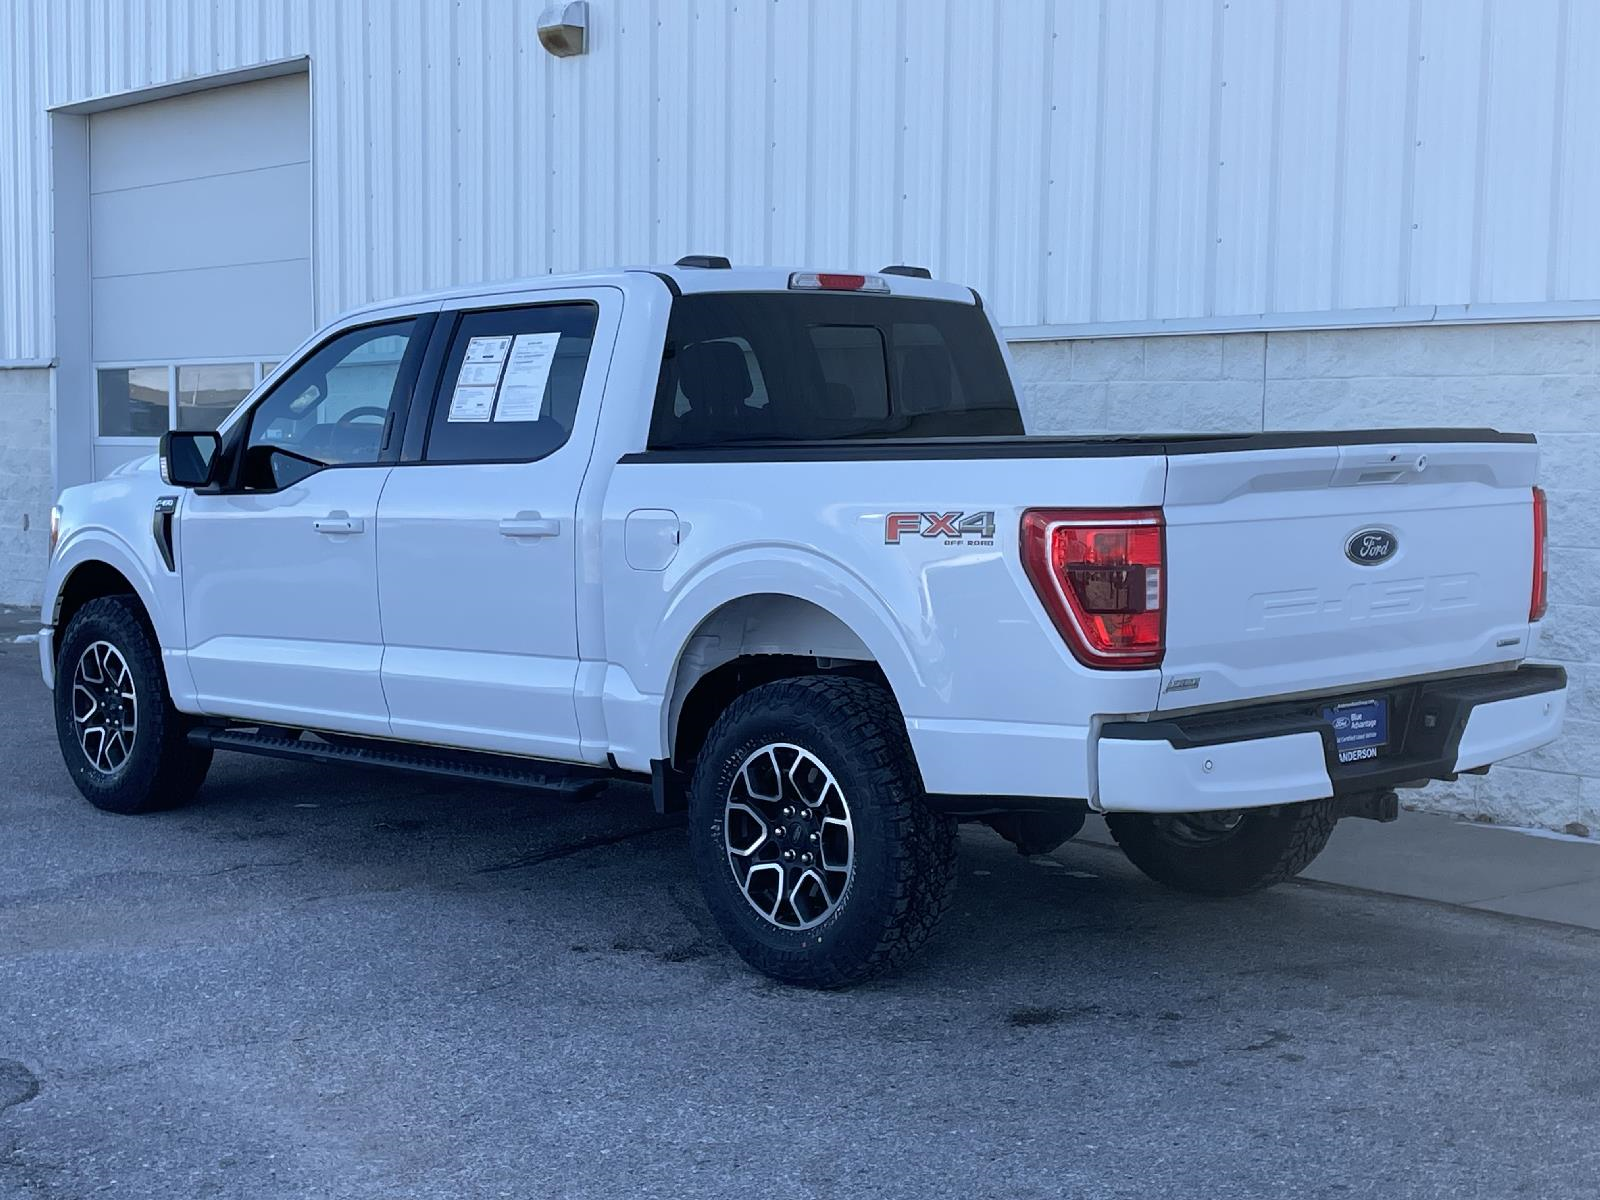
789	837
105	707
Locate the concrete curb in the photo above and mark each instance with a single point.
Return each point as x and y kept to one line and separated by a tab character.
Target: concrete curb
1426	856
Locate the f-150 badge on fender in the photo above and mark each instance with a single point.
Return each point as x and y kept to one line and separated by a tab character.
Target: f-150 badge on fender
973	529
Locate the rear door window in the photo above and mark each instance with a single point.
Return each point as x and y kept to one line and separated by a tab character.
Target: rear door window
511	382
759	367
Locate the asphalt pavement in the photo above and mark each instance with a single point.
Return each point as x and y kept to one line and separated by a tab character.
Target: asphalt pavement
325	982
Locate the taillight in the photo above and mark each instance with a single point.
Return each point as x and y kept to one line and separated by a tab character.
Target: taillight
1099	574
1541	567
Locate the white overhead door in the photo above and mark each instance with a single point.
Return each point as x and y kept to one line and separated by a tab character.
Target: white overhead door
200	254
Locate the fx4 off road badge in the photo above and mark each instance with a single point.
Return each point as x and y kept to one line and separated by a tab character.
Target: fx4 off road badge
955	528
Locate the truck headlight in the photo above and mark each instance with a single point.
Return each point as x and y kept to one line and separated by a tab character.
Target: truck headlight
55	527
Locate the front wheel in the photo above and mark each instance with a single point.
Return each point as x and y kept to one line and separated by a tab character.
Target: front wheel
1225	853
816	851
124	744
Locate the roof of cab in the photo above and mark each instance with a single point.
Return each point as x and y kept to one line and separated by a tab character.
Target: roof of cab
686	280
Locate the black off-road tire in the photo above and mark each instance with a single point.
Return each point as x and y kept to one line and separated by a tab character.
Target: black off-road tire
1266	847
161	769
904	865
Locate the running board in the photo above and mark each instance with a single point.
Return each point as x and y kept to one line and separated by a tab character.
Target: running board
571	780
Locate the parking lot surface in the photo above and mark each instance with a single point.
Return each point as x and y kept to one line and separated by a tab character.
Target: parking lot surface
322	982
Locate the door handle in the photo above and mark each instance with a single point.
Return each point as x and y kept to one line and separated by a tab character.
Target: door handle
338	521
530	525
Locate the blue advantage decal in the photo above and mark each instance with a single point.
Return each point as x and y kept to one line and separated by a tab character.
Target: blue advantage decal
1360	728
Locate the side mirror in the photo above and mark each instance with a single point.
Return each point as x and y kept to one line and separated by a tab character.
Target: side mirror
188	458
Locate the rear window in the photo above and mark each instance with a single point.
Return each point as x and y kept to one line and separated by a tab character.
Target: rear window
761	366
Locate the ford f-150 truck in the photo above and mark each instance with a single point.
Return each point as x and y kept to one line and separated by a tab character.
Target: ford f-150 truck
777	542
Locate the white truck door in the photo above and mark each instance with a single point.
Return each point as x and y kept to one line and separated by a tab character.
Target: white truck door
477	541
279	569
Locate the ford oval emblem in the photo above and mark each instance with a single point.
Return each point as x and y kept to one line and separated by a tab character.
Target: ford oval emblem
1369	547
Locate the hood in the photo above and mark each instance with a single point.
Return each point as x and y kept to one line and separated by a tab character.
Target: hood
137	466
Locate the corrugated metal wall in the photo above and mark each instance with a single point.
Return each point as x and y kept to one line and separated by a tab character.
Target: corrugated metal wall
1081	162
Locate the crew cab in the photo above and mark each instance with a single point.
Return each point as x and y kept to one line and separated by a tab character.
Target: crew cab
777	541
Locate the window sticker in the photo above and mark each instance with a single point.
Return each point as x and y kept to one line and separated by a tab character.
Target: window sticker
527	373
471	403
479	379
478	374
487	349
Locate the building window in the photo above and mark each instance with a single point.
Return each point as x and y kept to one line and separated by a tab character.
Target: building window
133	401
207	392
144	400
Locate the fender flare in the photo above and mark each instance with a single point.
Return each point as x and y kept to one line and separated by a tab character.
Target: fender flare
798	573
98	544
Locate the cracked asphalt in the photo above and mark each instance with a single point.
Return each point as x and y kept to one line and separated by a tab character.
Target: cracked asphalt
320	982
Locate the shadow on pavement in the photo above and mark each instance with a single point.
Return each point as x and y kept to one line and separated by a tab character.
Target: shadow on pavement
327	981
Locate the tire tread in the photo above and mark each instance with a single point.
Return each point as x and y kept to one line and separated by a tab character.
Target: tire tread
1277	852
923	843
171	776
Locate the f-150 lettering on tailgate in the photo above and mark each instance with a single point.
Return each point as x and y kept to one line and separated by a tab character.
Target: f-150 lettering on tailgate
1362	602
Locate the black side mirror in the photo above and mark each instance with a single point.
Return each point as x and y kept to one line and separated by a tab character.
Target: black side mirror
188	458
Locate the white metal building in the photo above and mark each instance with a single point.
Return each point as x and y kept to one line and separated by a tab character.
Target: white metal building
1189	213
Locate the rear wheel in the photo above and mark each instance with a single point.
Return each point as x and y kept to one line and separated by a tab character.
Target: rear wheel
815	849
1225	853
124	744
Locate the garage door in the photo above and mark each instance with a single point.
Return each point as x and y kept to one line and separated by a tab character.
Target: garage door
200	253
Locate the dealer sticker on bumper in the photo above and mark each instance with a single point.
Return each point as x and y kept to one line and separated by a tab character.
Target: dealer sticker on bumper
1360	728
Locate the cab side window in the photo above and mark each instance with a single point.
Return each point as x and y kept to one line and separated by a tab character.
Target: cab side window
331	410
511	382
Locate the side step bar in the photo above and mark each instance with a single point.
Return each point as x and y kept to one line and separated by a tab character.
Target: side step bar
566	779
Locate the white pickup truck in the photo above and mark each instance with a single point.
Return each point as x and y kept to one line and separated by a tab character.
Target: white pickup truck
777	542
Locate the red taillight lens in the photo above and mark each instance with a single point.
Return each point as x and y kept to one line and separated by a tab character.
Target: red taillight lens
1099	574
1541	564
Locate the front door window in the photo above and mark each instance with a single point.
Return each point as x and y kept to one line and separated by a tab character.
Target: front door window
332	410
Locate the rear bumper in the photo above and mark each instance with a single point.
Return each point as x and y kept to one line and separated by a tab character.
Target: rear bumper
1284	753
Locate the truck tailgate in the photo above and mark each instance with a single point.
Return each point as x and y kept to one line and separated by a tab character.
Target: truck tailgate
1319	568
